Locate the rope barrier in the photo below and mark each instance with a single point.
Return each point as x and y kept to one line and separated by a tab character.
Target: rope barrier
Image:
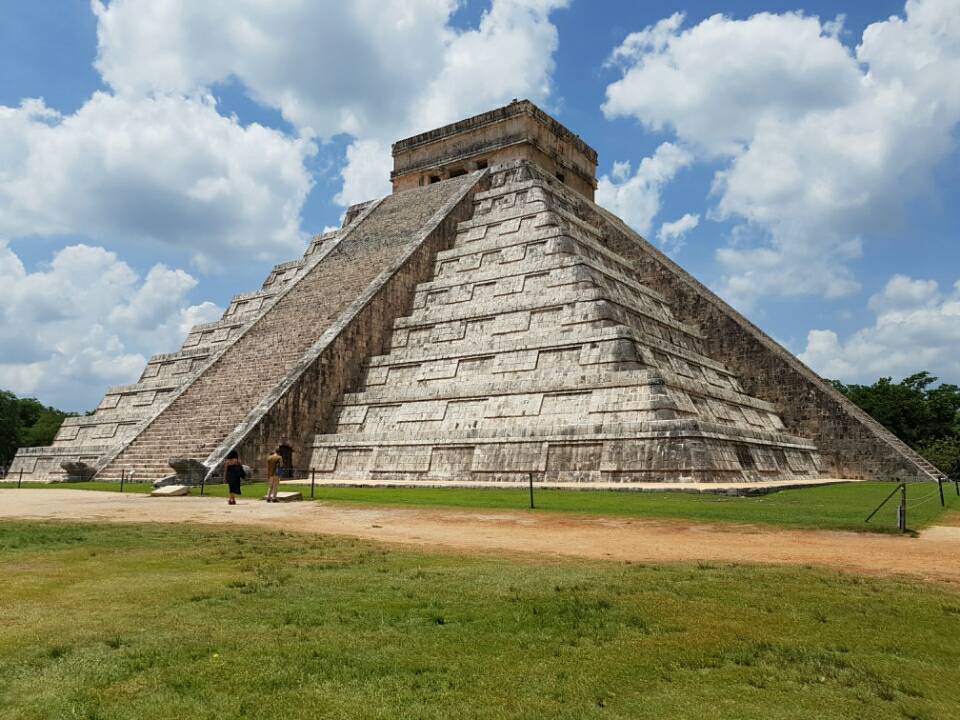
920	501
925	500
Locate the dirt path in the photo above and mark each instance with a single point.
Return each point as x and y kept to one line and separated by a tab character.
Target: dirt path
935	555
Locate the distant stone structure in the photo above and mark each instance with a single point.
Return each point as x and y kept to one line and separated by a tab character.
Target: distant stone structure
486	321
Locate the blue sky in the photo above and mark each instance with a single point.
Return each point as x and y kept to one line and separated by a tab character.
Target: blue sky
798	158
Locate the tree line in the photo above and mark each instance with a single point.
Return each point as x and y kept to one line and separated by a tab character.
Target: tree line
25	422
923	414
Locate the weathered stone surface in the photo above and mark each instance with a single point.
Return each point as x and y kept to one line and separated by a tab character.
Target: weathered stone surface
170	491
189	471
519	130
267	373
535	349
76	471
484	327
289	496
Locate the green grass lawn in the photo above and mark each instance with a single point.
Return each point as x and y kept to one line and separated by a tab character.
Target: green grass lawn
827	507
841	507
144	622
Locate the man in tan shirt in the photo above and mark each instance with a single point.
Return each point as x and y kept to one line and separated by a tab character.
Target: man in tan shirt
274	463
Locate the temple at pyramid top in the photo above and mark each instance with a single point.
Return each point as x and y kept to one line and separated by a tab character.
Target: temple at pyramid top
518	131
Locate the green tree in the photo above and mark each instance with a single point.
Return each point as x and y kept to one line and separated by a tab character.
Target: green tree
913	410
921	413
9	426
945	454
25	422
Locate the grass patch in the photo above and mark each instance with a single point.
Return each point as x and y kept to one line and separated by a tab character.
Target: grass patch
171	622
841	507
255	490
831	507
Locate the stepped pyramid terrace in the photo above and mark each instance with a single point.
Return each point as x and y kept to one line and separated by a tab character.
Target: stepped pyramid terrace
484	322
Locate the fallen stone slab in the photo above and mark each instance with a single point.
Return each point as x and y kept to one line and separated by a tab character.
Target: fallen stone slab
289	496
77	471
171	491
189	471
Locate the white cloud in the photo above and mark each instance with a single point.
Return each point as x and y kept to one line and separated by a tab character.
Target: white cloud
821	145
374	69
509	55
366	174
672	234
164	169
88	320
636	198
917	327
153	161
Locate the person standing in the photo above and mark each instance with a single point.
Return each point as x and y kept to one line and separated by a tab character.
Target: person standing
234	473
274	468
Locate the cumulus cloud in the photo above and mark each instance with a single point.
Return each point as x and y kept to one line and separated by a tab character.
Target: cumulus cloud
163	169
87	320
153	161
366	174
917	326
820	145
636	197
672	234
409	69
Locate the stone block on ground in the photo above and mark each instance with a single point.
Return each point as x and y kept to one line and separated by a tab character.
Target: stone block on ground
189	471
77	471
171	491
289	496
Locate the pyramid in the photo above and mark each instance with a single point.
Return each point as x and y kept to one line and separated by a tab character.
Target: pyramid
485	322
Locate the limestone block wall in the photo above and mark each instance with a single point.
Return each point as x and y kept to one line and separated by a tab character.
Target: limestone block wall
519	130
851	443
534	348
126	409
292	412
239	383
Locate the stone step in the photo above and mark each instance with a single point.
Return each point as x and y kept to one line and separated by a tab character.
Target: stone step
219	399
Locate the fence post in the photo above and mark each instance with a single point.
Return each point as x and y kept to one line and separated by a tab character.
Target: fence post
123	476
902	510
940	487
203	482
313	482
20	481
530	476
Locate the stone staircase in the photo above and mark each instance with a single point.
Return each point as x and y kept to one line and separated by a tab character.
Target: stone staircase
533	348
206	411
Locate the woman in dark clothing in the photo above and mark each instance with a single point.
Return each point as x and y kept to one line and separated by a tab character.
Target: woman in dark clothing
233	470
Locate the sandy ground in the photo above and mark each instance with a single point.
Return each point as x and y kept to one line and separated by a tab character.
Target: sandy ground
934	555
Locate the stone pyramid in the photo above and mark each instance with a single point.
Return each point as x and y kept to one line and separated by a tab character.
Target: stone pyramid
534	348
485	321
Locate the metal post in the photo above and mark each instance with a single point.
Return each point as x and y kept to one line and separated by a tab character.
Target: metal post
530	476
20	481
940	487
313	481
123	476
956	485
902	510
203	482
